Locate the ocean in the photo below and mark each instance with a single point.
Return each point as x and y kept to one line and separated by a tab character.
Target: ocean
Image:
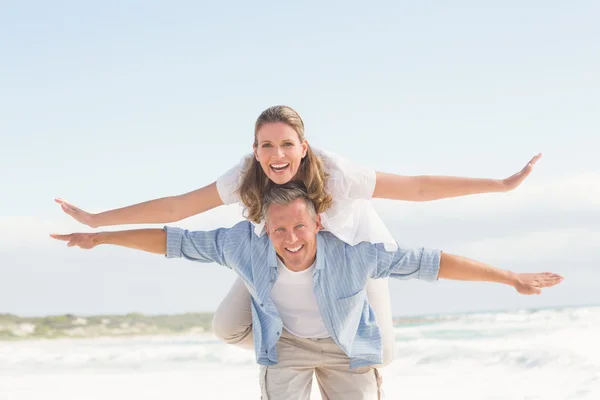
530	354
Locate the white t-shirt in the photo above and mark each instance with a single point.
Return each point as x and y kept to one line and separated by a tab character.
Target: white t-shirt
295	300
351	216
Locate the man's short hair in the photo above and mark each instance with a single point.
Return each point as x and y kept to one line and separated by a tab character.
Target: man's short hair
286	194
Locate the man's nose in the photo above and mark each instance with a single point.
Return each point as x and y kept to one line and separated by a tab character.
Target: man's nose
291	237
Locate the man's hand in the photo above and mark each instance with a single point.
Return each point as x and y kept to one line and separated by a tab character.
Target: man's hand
83	240
534	283
150	240
465	269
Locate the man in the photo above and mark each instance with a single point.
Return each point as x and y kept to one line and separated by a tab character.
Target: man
309	309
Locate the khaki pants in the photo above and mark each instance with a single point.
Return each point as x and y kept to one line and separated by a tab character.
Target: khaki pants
232	322
298	359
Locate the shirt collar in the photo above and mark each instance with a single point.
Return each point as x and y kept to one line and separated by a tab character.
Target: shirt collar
272	256
320	262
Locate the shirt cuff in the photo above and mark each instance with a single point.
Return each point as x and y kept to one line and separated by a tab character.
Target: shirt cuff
430	265
174	239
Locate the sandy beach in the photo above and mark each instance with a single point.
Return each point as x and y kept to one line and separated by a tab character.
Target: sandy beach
545	354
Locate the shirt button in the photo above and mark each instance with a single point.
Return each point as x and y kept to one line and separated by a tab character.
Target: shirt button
262	305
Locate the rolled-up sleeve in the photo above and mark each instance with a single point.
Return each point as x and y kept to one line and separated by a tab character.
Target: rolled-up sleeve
202	246
429	267
408	263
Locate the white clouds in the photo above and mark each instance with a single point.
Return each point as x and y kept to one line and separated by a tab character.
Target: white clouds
549	222
576	246
565	204
28	231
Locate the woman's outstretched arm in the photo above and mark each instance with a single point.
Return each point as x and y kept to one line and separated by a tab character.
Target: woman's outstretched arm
427	188
157	211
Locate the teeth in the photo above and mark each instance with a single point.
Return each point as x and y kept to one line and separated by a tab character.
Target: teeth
279	166
294	249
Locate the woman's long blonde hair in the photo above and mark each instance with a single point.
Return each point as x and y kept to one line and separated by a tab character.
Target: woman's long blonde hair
311	171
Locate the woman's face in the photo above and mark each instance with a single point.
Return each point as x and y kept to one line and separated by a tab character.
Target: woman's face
279	151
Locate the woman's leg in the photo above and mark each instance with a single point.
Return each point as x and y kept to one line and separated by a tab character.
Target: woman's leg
232	322
378	293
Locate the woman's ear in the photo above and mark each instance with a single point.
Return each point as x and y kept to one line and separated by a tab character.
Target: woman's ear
255	151
304	148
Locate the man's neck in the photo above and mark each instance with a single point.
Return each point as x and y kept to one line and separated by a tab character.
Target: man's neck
298	269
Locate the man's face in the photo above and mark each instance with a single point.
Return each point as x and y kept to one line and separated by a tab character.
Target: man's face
293	231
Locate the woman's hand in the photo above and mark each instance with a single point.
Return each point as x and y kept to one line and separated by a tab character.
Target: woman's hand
77	213
512	182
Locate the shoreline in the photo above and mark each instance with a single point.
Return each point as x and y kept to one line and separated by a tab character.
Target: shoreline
13	327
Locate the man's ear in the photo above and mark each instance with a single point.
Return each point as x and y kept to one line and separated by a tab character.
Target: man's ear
318	221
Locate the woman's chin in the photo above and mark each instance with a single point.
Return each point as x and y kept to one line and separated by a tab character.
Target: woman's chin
280	179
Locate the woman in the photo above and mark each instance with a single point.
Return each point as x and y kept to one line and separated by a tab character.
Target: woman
340	190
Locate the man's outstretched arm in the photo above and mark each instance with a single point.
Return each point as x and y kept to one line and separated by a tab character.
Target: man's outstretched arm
430	265
150	240
464	269
202	246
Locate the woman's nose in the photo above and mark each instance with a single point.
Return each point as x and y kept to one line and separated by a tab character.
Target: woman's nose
280	152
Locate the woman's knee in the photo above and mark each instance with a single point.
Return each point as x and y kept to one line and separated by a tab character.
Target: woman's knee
232	321
229	331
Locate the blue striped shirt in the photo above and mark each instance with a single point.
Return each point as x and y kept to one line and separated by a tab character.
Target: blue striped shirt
339	279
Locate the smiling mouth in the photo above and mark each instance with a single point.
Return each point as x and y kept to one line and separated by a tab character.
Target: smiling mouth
279	168
294	250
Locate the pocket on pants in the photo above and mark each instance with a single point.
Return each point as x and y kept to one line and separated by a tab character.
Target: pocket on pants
286	349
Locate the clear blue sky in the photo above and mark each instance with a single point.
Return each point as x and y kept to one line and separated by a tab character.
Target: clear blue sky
112	103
